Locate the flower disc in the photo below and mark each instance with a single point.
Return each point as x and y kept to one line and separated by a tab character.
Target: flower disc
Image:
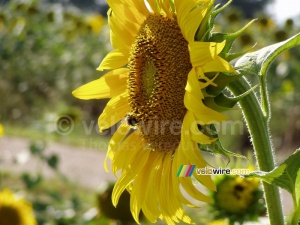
159	66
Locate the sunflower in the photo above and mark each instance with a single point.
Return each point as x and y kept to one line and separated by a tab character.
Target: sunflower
235	194
238	199
157	80
15	211
1	130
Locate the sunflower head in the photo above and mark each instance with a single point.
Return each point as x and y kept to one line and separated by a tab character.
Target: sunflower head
166	71
15	211
238	199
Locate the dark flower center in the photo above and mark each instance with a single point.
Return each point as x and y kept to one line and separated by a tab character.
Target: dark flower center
159	65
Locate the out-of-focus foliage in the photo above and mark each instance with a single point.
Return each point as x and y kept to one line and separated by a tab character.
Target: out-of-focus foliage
99	5
58	201
46	51
249	7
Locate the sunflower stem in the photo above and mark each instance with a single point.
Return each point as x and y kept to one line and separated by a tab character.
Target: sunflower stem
264	97
258	127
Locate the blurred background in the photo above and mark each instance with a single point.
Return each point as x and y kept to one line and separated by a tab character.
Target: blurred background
51	151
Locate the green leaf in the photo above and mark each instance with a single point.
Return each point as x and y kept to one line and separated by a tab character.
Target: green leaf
284	175
259	61
296	213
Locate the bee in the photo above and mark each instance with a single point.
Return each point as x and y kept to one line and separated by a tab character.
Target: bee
131	120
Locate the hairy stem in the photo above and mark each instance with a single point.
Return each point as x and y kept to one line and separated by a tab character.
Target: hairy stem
257	124
264	97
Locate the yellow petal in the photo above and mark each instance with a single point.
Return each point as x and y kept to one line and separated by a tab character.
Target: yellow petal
203	114
123	10
110	85
115	142
115	59
218	65
142	186
190	152
165	7
139	5
193	85
115	110
150	206
192	190
125	19
153	5
148	212
121	33
206	181
163	197
123	181
190	123
189	17
178	160
130	173
138	193
127	151
202	52
220	46
175	196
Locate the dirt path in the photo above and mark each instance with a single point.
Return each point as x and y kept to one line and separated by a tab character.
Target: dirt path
81	165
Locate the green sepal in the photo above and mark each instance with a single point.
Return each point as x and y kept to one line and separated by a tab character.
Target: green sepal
211	103
218	149
217	10
231	56
221	81
223	103
230	102
206	25
230	38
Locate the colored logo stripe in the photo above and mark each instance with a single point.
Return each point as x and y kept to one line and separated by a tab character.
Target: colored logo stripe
185	170
190	171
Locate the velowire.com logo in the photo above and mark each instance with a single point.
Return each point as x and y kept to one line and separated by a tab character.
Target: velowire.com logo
187	171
